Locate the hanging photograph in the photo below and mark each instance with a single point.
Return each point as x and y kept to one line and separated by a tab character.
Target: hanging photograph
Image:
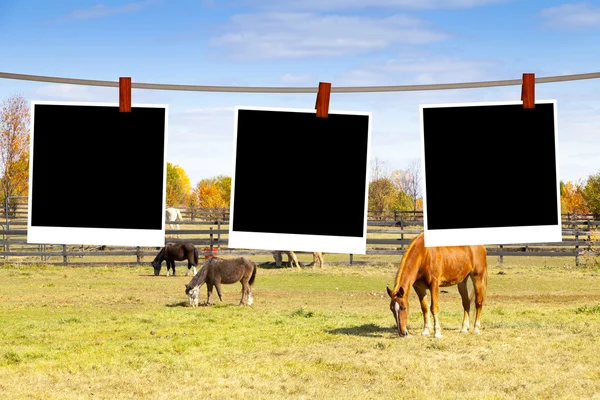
490	173
97	175
300	182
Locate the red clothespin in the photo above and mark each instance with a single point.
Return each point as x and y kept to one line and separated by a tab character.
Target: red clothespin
322	105
528	91
124	94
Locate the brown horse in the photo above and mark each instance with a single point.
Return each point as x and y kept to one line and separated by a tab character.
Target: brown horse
429	268
219	270
176	252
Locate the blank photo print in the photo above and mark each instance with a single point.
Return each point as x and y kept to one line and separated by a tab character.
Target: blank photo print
490	173
97	175
299	181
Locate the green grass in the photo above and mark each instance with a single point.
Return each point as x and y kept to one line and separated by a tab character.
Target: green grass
121	333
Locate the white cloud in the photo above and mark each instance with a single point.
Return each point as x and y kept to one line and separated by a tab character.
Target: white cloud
101	11
314	5
419	71
303	80
301	35
572	16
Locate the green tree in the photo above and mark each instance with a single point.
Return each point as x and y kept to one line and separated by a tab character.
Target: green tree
178	186
591	193
383	195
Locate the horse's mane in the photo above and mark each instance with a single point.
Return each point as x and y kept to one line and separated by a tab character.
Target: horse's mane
200	277
410	257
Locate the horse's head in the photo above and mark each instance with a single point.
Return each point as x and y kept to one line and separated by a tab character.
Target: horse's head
193	295
399	307
156	265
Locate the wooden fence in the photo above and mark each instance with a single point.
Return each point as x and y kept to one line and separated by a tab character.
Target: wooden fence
384	237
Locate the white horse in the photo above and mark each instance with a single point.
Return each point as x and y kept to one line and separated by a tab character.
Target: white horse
173	215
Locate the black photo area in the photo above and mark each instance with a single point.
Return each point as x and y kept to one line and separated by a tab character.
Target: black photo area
95	167
490	166
296	173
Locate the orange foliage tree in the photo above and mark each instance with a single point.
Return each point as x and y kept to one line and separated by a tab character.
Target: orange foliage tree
212	193
571	198
14	146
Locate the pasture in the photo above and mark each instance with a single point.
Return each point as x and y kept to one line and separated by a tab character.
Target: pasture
73	332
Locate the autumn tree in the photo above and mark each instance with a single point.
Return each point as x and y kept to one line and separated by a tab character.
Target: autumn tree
383	195
571	198
178	186
212	193
14	146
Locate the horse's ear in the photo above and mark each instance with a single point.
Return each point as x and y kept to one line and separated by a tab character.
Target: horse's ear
389	291
400	292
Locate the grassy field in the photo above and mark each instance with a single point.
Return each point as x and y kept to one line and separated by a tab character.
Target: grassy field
121	333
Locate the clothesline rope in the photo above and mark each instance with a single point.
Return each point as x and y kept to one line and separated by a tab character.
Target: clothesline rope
250	89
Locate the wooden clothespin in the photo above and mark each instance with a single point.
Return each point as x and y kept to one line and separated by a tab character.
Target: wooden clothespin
322	105
124	94
528	91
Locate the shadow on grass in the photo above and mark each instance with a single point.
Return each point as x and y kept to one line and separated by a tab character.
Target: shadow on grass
272	265
369	330
179	304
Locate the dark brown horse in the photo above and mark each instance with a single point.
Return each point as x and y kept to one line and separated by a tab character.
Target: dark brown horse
429	268
216	271
176	252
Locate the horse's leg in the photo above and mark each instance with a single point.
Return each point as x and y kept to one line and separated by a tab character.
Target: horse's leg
479	286
294	259
321	260
464	294
209	289
219	291
243	292
278	258
422	293
435	308
168	267
249	292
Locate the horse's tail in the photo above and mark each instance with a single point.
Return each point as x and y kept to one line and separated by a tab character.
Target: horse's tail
196	255
178	217
251	281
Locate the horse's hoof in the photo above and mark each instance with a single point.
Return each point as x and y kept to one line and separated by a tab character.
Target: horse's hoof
437	335
425	332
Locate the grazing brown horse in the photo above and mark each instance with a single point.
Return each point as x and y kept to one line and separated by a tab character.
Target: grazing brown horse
176	252
429	268
219	270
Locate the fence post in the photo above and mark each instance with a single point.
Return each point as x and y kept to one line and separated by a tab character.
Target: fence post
395	215
211	242
137	254
501	257
65	258
351	259
219	233
576	249
402	233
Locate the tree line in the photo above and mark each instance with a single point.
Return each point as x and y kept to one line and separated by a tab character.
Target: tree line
389	189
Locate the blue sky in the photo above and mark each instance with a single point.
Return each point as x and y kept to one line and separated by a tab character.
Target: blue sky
302	42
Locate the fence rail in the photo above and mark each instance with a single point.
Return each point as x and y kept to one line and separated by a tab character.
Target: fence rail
576	242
